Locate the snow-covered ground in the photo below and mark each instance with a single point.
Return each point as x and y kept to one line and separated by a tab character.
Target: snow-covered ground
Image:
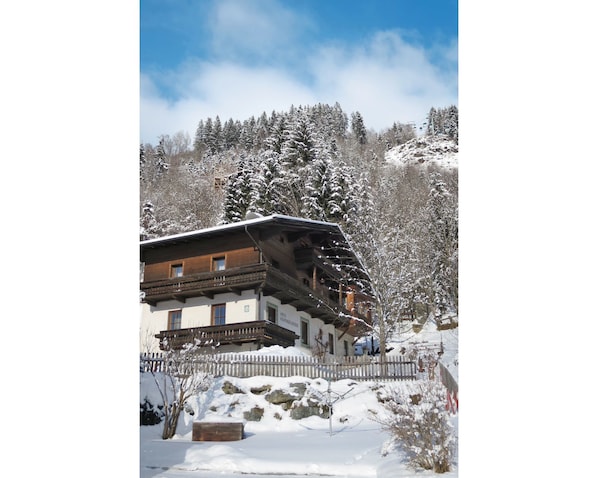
351	444
440	150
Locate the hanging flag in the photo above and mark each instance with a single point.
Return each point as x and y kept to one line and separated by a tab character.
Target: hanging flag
452	388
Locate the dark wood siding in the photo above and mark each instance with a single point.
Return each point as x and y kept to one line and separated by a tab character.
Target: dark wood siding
242	257
194	248
193	265
280	253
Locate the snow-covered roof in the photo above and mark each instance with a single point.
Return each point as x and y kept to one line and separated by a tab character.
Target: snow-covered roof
339	240
274	219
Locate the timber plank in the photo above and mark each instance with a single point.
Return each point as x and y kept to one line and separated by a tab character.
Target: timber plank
217	431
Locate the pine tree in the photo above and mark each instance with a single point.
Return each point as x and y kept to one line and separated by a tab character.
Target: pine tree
299	148
142	162
277	136
238	194
148	224
358	128
200	138
451	124
215	139
208	134
339	121
262	130
268	186
319	190
160	161
230	134
247	135
432	120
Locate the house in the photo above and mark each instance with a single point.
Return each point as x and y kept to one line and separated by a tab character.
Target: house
268	280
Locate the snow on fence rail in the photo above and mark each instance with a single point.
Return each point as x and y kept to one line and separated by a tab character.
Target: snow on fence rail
331	368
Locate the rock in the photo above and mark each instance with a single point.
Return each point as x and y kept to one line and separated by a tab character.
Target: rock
299	387
303	411
229	388
254	415
278	397
260	390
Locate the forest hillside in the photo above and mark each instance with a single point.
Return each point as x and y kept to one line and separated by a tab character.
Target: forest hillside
393	192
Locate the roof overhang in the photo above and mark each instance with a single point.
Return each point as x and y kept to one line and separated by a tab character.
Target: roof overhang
275	223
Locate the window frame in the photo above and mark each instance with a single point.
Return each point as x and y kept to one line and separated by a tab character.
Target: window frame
330	343
216	260
304	337
273	307
175	317
214	316
174	270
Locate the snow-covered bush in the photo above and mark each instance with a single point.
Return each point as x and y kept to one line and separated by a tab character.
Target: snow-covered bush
420	424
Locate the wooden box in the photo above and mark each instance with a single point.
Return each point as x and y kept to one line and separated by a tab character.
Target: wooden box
217	431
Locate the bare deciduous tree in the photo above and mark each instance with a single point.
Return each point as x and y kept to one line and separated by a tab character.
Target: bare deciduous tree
178	381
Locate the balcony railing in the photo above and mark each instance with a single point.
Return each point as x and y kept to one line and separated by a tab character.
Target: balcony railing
263	332
204	283
264	277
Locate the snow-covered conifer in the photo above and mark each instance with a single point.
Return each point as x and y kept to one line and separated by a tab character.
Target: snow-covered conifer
358	128
160	160
238	193
268	186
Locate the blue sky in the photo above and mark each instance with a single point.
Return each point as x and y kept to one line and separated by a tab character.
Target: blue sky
391	60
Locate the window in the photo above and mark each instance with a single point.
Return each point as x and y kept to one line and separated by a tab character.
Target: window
346	344
176	270
174	319
331	344
218	263
304	332
271	313
218	314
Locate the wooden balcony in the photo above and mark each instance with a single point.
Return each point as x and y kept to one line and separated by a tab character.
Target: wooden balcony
259	277
206	284
262	332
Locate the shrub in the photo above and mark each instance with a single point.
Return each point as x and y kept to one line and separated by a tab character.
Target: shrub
148	415
421	427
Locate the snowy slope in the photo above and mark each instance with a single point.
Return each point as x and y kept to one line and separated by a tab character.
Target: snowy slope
350	444
440	150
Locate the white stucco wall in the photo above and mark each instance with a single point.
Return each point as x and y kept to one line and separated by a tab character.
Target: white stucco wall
197	312
289	318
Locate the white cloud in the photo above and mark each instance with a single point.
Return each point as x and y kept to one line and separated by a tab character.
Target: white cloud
225	90
387	79
260	29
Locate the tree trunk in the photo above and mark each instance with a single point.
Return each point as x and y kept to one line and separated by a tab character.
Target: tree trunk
171	421
382	343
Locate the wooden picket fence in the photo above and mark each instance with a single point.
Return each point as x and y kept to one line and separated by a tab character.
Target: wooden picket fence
360	368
